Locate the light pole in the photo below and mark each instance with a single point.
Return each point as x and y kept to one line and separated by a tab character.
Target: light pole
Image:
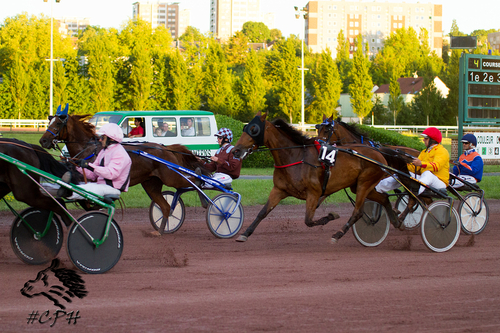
302	12
51	53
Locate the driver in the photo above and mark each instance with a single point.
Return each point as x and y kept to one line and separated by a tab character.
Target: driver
431	167
469	166
111	168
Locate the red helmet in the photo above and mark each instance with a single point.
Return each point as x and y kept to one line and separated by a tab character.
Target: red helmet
433	133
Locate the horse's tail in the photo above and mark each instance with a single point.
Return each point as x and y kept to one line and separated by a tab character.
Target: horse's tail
187	158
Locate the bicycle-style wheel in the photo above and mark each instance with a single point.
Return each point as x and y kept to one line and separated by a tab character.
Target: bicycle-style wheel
84	254
412	219
220	221
30	248
473	214
435	235
371	229
176	217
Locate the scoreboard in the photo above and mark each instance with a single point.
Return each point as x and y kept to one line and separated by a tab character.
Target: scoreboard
479	99
479	86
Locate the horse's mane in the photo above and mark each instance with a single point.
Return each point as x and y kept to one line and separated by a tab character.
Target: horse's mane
87	127
295	135
353	129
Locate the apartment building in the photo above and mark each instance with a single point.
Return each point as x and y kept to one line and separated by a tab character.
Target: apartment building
228	16
168	15
375	21
494	41
70	26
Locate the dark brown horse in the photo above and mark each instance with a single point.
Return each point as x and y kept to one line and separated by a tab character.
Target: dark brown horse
22	187
298	172
80	138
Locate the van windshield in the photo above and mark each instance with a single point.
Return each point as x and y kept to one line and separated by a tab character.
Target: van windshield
102	119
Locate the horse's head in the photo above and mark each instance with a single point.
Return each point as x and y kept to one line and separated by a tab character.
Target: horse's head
327	130
252	137
57	129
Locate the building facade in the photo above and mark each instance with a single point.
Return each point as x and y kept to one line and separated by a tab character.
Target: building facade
164	14
494	41
72	25
375	21
228	16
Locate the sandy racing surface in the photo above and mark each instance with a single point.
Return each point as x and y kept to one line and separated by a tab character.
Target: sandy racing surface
287	278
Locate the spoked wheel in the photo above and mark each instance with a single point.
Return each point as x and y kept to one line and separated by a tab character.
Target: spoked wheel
412	219
220	221
373	227
473	214
176	217
438	236
29	247
84	254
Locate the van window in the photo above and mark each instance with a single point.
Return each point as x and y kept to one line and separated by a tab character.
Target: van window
129	127
195	126
187	126
165	126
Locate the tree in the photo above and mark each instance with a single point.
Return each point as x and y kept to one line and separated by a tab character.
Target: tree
237	49
361	83
451	79
344	64
256	32
216	81
395	99
327	87
178	90
286	79
275	34
20	82
77	89
252	86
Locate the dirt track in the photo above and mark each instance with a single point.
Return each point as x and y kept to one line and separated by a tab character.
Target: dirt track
287	277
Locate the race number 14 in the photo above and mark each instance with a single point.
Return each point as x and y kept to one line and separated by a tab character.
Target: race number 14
328	156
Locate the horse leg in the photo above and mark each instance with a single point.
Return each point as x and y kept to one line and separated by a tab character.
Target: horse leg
153	187
311	207
274	199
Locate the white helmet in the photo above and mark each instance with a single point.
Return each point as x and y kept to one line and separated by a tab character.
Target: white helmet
112	131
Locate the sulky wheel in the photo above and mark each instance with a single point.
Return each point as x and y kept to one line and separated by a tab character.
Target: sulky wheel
412	220
176	217
221	220
41	241
84	254
473	215
437	236
373	227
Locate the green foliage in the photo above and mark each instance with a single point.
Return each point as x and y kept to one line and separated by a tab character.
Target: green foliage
391	137
252	87
256	32
361	83
396	102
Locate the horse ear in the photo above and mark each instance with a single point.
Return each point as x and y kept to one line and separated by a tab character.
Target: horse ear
66	108
263	116
324	117
58	109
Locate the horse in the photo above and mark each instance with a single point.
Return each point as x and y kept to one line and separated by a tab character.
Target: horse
22	187
299	174
339	133
81	141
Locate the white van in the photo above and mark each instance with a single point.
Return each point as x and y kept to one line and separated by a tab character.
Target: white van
194	129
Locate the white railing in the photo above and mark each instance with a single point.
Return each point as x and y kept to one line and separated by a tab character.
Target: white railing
23	123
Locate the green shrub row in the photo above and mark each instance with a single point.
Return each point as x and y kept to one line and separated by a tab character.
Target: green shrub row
264	159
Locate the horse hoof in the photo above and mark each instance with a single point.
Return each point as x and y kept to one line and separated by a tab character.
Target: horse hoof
155	233
333	216
334	240
242	238
402	227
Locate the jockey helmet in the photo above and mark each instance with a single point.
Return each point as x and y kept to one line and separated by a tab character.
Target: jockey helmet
225	133
112	131
433	133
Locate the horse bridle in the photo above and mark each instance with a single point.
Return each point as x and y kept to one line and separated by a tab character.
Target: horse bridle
255	129
330	127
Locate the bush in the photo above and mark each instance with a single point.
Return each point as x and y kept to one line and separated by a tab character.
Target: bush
391	138
259	159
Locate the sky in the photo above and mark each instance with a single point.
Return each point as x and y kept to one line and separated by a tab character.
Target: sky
470	15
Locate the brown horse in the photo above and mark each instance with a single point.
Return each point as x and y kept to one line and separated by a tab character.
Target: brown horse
22	187
298	172
80	138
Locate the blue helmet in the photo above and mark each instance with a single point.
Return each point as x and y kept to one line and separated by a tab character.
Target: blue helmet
470	138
